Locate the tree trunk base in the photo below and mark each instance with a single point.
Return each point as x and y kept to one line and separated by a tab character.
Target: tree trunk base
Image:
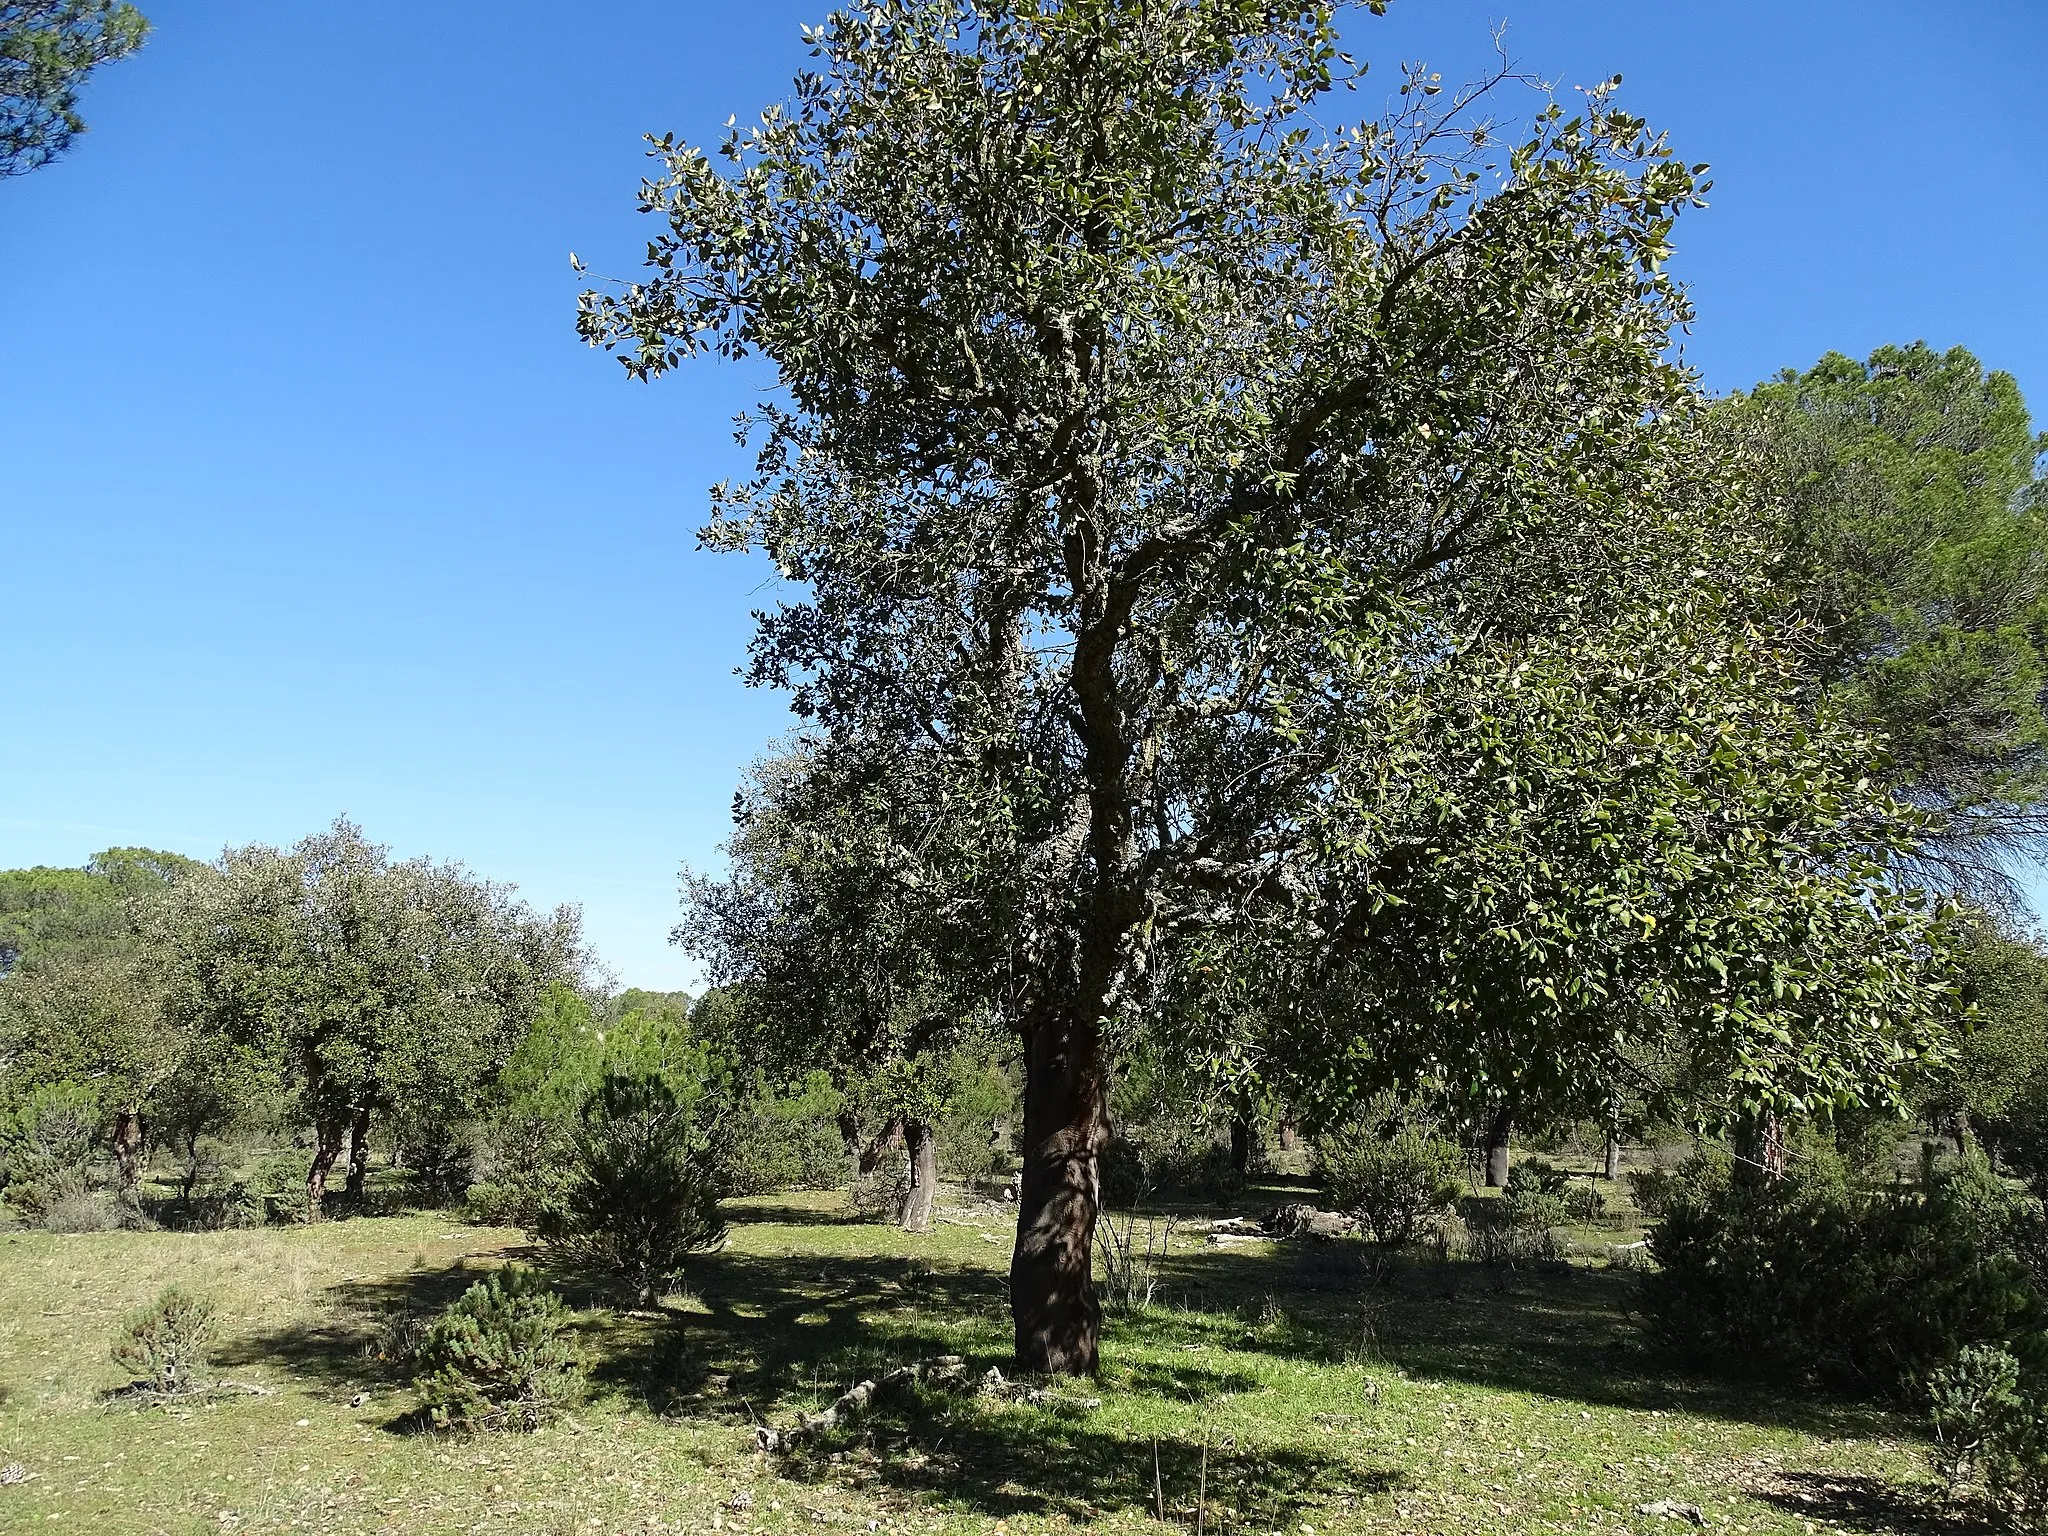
922	1194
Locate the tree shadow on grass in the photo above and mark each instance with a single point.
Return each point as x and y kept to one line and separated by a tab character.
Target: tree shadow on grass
782	1214
364	1330
1862	1503
1005	1459
1549	1330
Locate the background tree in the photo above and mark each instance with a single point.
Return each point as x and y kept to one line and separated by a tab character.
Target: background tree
366	985
845	970
80	914
47	49
1173	480
82	1001
1915	528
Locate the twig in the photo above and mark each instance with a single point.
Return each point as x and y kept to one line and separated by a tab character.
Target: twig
1202	1487
1158	1488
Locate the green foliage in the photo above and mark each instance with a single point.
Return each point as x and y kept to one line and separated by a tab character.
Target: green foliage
646	1173
1194	610
58	913
362	984
1988	1425
47	49
671	1005
164	1345
979	1104
1388	1166
501	1357
529	1144
1537	1194
1867	1287
1170	1119
51	1145
791	1140
1916	531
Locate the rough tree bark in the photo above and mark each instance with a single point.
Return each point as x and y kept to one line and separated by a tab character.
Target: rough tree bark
1500	1132
922	1147
359	1151
328	1131
1760	1149
1289	1136
128	1141
1052	1288
867	1155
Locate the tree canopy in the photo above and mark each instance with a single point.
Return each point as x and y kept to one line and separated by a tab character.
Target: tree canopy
1915	523
1216	528
47	49
369	987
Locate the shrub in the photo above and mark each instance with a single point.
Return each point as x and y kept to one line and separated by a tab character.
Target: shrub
646	1175
68	1207
1507	1233
230	1207
1871	1288
164	1345
51	1149
1130	1250
1537	1194
1388	1167
1989	1424
1138	1165
441	1158
786	1141
500	1357
522	1168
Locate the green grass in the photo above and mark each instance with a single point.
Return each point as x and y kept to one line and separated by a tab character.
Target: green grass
1427	1396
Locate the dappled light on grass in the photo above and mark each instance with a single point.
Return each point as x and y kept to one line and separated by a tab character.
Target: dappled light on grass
1475	1402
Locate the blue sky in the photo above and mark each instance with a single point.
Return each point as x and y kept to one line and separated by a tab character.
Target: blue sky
311	503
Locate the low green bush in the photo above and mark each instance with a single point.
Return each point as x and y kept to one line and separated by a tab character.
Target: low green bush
1537	1194
1991	1425
53	1154
647	1171
1388	1167
164	1344
501	1357
1872	1288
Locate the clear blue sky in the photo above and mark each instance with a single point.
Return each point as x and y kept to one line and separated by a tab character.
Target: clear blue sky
310	501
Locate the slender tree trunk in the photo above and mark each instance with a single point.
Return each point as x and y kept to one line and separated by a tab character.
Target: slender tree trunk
1289	1136
923	1147
868	1155
359	1151
327	1138
1052	1288
1240	1146
191	1177
1760	1149
128	1147
1612	1169
1500	1132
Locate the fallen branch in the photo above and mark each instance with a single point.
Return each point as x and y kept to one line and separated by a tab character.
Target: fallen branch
855	1399
146	1395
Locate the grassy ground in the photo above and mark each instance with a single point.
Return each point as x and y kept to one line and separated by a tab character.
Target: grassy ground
1334	1395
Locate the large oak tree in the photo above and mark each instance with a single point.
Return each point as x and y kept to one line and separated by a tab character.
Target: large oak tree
1177	483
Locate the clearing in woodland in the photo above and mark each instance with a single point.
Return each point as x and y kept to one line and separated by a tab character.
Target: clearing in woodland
1334	1392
